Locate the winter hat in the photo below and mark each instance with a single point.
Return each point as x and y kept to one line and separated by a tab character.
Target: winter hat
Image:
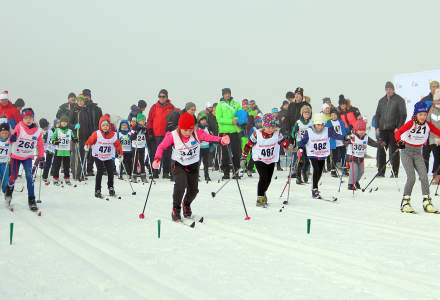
290	95
389	84
434	83
299	90
4	95
285	102
342	100
269	120
420	107
326	100
244	102
163	92
27	112
304	109
64	119
252	102
318	119
186	121
71	95
208	105
140	117
87	92
4	127
325	106
189	105
43	123
226	91
436	95
275	110
19	102
360	125
142	104
124	121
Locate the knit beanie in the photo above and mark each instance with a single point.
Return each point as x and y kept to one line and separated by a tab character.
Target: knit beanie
140	117
420	107
27	112
360	125
186	121
189	105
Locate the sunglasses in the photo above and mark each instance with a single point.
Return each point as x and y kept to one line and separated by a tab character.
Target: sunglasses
162	96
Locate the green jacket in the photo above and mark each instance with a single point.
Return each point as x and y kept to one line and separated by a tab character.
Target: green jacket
225	114
62	137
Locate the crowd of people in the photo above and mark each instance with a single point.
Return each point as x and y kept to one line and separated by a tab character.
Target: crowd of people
231	136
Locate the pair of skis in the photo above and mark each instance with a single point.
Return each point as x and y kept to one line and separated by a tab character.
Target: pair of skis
191	222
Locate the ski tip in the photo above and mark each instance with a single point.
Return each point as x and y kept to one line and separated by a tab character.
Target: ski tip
119	197
213	194
134	193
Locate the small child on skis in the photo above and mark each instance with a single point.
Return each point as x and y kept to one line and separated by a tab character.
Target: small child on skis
125	140
61	138
185	141
298	131
265	145
25	139
49	148
139	141
204	147
4	155
337	146
356	150
410	138
105	147
316	142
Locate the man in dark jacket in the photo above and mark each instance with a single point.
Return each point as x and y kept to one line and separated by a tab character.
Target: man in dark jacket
66	109
390	115
433	85
294	109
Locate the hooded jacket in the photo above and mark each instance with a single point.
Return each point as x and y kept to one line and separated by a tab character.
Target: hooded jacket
225	114
107	135
11	113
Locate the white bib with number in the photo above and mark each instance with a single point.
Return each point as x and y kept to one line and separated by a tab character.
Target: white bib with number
104	149
64	139
358	148
125	142
26	143
266	150
417	135
318	145
4	151
338	129
140	141
302	128
185	153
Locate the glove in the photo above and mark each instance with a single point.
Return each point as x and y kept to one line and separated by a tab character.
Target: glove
56	142
86	148
299	154
225	140
75	140
13	138
243	163
77	126
156	164
401	144
40	162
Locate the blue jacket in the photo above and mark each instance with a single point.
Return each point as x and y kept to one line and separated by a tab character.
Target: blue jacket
344	132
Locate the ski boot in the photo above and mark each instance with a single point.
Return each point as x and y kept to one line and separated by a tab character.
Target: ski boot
98	194
144	178
261	201
134	179
333	173
67	181
406	207
111	191
32	204
187	212
279	168
315	194
207	178
56	181
226	177
305	176
357	185
8	195
352	187
46	181
175	215
427	205
298	180
249	173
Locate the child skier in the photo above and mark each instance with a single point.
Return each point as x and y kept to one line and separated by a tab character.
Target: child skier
49	148
258	124
105	146
186	155
410	138
125	140
4	155
298	132
61	138
265	145
25	139
337	146
356	150
316	142
204	147
139	141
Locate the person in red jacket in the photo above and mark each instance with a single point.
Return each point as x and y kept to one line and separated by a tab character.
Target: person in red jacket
347	116
105	147
156	129
8	110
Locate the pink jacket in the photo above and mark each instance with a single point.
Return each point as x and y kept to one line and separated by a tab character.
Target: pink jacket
169	141
23	128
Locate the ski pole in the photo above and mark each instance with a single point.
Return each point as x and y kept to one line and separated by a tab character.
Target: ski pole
39	187
288	176
134	168
213	194
342	173
129	181
141	215
382	169
83	164
238	184
394	176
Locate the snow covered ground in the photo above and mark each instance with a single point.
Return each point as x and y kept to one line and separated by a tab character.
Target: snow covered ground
362	247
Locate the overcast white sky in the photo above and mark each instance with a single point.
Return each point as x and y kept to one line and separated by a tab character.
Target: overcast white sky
127	50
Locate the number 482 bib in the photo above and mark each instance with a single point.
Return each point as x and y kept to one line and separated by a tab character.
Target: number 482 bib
318	145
